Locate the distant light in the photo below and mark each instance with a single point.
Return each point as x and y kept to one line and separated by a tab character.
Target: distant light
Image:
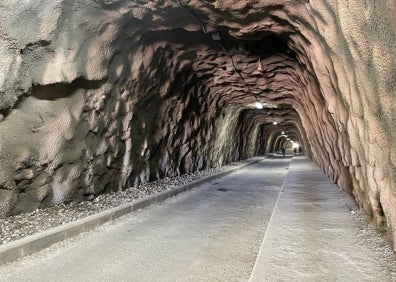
283	132
270	106
259	67
275	122
258	105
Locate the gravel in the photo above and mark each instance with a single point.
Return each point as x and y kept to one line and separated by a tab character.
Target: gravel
22	225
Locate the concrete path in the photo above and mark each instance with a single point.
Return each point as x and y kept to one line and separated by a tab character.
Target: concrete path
316	234
247	225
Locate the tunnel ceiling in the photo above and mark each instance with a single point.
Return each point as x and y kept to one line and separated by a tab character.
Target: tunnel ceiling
233	69
96	96
237	68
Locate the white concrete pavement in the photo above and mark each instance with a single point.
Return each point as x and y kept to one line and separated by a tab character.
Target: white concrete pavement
315	235
253	224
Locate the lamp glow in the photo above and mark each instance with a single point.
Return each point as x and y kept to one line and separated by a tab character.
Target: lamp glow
295	145
258	105
259	67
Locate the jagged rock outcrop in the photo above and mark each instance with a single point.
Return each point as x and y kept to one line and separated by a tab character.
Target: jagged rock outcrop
96	96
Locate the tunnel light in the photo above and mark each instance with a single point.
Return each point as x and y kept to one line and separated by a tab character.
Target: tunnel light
269	106
258	105
295	145
283	133
259	67
274	122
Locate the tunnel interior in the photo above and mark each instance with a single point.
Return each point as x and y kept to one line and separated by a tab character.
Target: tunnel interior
99	97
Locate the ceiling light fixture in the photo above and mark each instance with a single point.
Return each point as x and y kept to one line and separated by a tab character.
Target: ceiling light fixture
274	122
258	105
259	67
270	106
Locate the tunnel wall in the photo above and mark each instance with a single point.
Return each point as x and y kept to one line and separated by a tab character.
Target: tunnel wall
96	96
359	94
92	108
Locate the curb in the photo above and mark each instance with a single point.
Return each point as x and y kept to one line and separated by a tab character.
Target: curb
17	249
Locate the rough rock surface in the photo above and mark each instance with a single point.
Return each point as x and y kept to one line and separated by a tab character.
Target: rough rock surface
96	96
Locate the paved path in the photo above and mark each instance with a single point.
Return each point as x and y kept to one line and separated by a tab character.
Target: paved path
315	234
247	225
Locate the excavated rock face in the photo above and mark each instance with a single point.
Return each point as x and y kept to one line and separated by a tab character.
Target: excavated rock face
99	95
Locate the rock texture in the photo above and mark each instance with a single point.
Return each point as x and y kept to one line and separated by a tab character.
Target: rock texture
96	96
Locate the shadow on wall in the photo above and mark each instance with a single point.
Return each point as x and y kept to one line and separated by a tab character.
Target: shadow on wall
63	90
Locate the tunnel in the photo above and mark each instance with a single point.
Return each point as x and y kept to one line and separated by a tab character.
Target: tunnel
97	96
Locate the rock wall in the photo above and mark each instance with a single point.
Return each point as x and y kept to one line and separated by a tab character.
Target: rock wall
96	96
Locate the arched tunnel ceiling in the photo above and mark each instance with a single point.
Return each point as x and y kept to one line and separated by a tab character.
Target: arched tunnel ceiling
100	95
238	68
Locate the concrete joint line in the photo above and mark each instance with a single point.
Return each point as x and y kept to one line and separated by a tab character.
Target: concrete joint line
268	227
26	246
